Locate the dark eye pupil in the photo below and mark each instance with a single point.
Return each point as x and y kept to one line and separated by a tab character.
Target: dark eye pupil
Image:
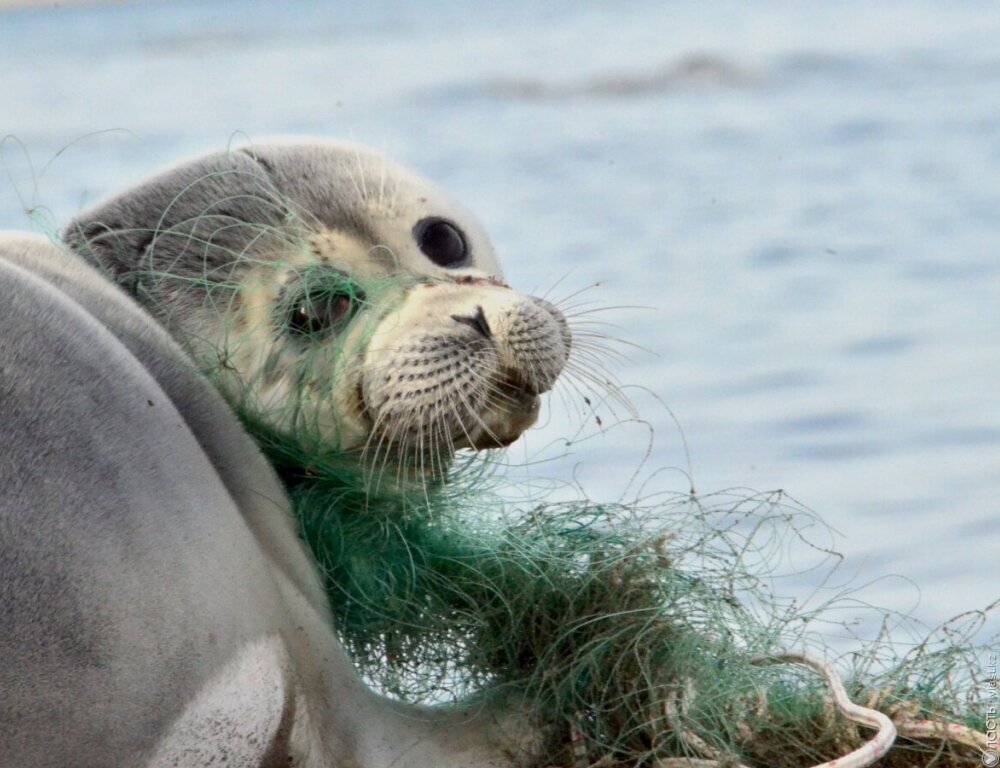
313	314
441	241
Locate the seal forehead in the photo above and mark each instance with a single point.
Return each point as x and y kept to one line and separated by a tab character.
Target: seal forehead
354	191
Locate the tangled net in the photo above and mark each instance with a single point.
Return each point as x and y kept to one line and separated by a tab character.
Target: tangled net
638	634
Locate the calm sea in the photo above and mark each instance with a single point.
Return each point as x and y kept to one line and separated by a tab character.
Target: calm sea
792	208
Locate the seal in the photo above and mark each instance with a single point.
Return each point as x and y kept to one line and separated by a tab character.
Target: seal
334	292
157	607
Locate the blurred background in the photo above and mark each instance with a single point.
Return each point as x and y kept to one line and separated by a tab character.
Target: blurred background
791	207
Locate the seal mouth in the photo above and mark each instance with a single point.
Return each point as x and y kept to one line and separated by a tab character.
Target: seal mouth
513	408
513	386
516	408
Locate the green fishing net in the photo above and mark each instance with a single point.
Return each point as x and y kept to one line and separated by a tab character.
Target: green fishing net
632	630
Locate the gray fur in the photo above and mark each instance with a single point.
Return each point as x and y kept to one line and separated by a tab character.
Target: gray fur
186	231
156	607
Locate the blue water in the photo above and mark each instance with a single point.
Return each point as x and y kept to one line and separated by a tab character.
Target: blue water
792	206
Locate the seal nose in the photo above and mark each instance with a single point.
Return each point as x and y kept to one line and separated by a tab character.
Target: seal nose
477	321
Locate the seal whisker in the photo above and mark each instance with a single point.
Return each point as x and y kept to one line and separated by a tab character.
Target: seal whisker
607	387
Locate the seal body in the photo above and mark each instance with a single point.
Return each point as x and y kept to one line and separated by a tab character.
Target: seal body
334	292
156	606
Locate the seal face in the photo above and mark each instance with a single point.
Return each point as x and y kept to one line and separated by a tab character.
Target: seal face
335	292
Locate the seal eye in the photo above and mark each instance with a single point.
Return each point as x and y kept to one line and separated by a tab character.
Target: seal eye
312	315
441	241
322	309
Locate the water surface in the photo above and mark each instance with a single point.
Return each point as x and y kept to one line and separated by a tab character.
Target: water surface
804	196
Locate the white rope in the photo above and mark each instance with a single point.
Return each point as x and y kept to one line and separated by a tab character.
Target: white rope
933	729
864	756
872	750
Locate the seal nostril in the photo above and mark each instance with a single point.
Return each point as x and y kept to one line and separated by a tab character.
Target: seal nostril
477	321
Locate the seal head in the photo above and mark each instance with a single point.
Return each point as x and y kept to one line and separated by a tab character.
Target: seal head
334	293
